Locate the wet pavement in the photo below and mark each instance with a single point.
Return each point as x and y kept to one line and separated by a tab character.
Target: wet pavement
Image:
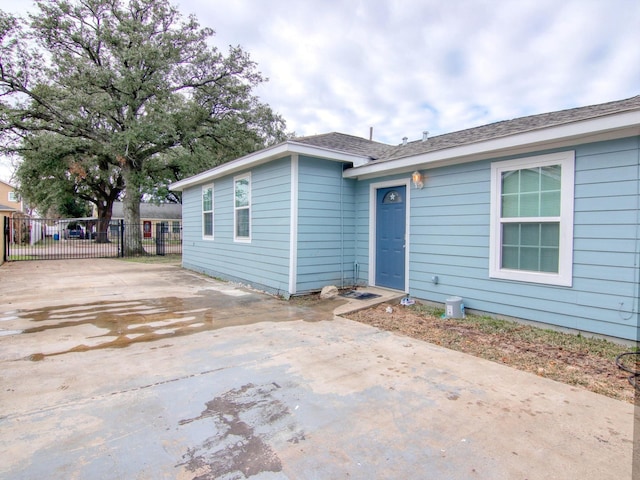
127	370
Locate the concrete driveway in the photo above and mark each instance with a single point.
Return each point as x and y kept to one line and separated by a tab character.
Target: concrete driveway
112	370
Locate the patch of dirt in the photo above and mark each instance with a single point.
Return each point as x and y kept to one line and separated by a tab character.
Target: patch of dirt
568	358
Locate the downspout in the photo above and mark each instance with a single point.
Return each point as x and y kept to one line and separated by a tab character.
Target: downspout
636	257
293	226
341	166
356	267
636	265
635	467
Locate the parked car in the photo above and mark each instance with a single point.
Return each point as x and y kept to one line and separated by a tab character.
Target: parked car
75	231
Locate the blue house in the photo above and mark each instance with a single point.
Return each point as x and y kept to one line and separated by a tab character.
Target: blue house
536	218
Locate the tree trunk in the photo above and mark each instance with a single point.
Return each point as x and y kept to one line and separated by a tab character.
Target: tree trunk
131	205
104	220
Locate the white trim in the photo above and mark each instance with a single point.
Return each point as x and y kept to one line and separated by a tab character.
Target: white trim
264	156
611	127
564	277
293	227
372	227
244	176
213	212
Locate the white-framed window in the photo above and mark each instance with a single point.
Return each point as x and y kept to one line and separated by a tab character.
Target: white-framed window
13	197
242	208
531	238
207	212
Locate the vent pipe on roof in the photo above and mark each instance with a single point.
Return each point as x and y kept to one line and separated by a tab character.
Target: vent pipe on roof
425	135
370	133
404	140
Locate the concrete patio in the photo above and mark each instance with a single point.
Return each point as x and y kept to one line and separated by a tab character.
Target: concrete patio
114	369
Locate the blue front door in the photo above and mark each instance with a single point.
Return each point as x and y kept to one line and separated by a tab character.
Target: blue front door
390	237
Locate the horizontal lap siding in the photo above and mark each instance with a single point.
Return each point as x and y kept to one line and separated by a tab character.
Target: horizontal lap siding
449	238
449	234
605	272
325	225
262	263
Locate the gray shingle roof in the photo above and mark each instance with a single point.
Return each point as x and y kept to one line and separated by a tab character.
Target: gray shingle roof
381	152
511	127
347	143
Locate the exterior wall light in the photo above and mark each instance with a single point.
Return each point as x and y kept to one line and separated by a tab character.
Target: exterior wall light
417	179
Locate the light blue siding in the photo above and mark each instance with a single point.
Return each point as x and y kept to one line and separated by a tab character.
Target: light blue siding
325	240
449	237
264	262
325	225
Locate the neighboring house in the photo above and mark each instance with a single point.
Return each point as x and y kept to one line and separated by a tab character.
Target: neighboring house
9	197
5	212
535	218
167	215
11	208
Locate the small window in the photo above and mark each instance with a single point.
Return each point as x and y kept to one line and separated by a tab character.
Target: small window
242	208
392	197
207	212
175	226
532	219
13	197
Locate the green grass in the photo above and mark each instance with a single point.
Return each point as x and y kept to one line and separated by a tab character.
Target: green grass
160	259
45	243
152	241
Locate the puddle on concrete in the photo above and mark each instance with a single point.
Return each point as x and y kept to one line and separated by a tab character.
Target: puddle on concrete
242	422
4	333
128	322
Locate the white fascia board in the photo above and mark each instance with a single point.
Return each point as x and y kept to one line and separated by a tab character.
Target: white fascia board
598	129
264	156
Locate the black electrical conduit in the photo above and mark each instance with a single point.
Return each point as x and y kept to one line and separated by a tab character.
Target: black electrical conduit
635	373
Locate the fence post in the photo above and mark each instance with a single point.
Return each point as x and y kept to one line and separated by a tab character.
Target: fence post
160	238
121	237
5	236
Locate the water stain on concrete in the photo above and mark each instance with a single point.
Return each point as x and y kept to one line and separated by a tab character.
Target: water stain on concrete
122	323
237	449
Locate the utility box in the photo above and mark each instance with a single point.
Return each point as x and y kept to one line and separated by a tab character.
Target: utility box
454	308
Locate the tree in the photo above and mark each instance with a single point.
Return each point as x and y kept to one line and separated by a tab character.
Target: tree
135	86
62	175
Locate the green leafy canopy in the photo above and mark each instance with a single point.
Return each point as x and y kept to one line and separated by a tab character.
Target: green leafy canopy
129	90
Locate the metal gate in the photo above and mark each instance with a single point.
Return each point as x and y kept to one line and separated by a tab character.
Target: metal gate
55	239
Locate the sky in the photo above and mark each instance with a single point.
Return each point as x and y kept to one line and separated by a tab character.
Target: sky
406	66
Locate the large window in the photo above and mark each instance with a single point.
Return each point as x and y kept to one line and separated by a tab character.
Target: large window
242	208
532	219
207	212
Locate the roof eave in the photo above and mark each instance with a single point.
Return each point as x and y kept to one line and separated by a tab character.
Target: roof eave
264	156
592	130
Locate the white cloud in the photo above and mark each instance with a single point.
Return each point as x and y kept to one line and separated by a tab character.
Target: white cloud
404	66
471	63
